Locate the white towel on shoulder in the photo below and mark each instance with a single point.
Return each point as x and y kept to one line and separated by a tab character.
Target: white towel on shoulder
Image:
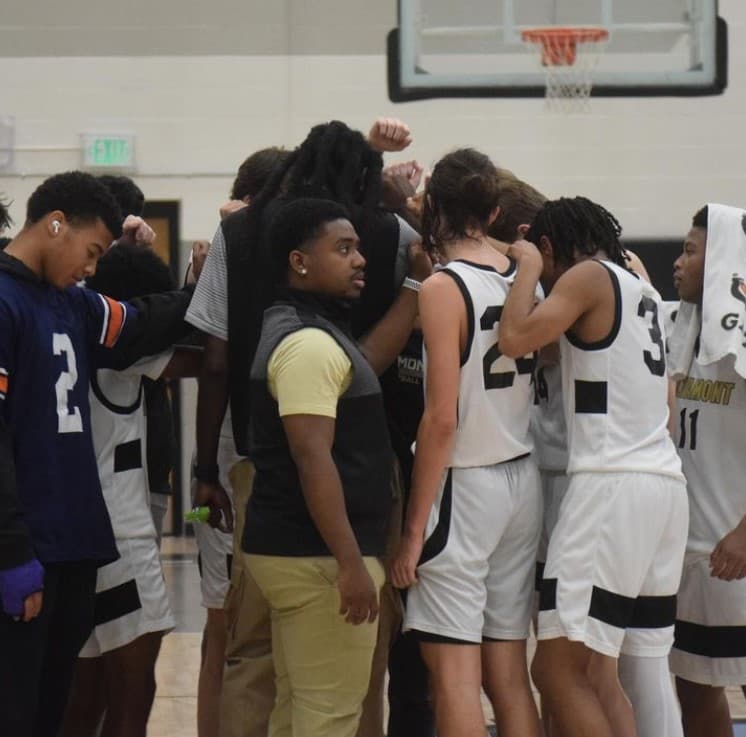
720	324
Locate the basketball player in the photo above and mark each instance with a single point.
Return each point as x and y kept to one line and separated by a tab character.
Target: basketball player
646	681
54	528
472	527
115	673
710	647
225	633
625	474
161	440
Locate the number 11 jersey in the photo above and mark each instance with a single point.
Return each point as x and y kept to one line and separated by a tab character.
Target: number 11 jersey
495	392
616	391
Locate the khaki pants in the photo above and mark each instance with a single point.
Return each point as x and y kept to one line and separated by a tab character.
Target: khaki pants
248	692
322	663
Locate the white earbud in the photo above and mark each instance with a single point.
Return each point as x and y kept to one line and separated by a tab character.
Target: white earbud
56	226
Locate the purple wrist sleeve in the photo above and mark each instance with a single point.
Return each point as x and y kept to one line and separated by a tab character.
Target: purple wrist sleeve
18	583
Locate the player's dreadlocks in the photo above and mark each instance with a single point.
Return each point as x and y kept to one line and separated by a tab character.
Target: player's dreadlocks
575	225
333	163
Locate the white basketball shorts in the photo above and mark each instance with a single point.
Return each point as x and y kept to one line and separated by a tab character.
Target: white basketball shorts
614	563
131	598
476	574
710	639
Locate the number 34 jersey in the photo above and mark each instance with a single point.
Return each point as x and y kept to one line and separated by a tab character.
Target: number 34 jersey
495	392
616	391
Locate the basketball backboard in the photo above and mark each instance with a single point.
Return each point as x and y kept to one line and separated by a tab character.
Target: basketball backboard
473	48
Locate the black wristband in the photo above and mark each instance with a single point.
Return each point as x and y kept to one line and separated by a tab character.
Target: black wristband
208	474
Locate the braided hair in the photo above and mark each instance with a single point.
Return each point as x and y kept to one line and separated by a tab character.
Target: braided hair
334	163
575	225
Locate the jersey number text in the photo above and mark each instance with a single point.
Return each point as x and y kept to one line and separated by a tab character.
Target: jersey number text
657	366
500	379
68	417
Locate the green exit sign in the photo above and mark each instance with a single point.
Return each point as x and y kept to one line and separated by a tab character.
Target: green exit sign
108	151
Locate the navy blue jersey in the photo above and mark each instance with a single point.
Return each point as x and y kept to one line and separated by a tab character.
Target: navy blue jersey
48	340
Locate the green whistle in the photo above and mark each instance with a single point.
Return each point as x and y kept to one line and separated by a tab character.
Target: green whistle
197	514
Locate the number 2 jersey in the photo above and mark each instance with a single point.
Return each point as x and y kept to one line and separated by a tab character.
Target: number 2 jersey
495	392
616	391
51	505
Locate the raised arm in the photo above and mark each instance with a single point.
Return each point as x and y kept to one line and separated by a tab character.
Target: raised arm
389	134
526	326
385	340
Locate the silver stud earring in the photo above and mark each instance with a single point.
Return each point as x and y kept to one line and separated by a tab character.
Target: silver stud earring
302	271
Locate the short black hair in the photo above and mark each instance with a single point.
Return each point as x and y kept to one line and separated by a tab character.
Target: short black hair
256	170
5	220
461	195
700	218
80	196
294	225
4	243
577	224
128	195
127	271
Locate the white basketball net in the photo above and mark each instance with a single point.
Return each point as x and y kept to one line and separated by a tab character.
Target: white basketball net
568	58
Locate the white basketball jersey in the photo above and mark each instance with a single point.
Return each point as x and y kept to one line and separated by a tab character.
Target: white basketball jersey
711	439
495	392
616	390
548	426
119	435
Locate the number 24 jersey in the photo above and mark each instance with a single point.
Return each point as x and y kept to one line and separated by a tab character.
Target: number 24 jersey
495	392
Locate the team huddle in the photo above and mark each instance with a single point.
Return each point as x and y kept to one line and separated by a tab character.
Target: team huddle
428	421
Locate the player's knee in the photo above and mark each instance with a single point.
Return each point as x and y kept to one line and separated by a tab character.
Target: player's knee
541	670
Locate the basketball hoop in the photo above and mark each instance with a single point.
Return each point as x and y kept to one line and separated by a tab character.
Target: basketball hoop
568	56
